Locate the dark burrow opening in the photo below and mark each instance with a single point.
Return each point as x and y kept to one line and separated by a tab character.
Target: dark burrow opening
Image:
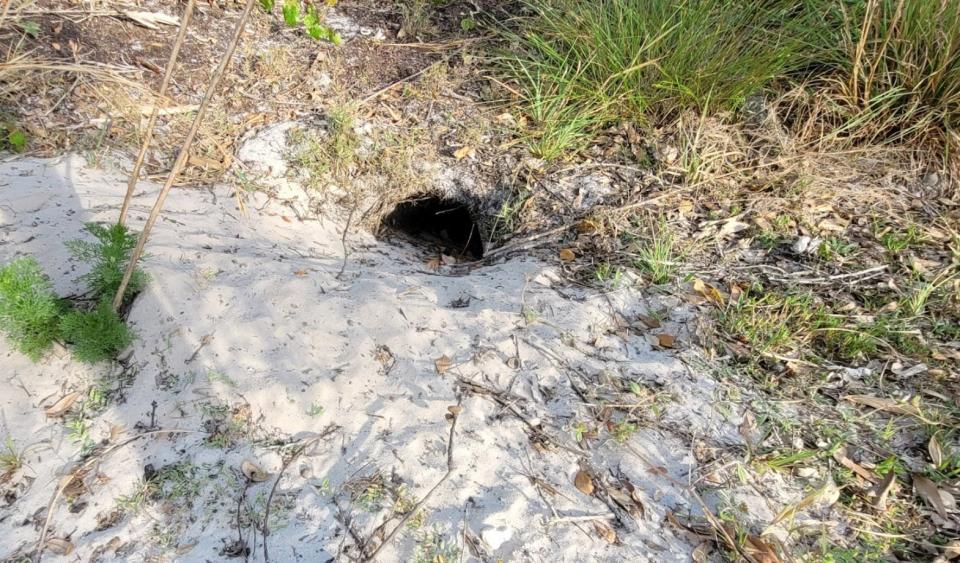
437	224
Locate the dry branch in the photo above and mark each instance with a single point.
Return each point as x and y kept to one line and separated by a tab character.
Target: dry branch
182	156
152	122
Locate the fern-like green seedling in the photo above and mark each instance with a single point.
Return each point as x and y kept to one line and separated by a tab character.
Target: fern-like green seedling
29	309
108	257
96	335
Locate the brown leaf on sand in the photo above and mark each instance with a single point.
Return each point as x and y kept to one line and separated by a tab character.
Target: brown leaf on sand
253	472
583	482
648	322
605	531
442	364
59	546
62	405
666	340
455	410
928	491
709	292
567	255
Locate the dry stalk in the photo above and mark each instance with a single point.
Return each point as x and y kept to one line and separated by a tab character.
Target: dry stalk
455	412
152	122
182	156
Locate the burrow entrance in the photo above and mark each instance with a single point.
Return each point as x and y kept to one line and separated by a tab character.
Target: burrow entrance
438	225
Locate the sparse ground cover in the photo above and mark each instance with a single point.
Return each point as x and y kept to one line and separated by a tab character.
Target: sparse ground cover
786	169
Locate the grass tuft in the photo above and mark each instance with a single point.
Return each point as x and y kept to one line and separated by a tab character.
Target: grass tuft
580	65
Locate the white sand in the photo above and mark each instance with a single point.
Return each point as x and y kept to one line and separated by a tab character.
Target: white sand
289	338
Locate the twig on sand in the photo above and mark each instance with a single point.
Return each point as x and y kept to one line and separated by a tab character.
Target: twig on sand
287	462
91	461
343	241
500	397
183	155
454	416
582	518
152	121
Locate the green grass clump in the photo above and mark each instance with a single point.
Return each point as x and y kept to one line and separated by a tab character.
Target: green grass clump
895	73
95	335
29	309
108	256
582	64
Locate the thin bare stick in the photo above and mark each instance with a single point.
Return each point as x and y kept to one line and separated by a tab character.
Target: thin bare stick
182	157
152	122
343	240
293	457
453	427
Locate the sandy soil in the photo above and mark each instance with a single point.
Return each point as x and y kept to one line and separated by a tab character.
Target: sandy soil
252	343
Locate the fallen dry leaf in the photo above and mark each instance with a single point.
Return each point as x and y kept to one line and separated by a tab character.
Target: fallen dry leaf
709	292
649	322
59	546
253	472
841	456
936	451
455	410
928	491
583	482
463	152
434	264
884	404
443	363
882	490
666	340
567	255
62	406
605	531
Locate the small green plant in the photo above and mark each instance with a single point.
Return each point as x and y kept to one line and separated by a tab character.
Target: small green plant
623	430
433	547
371	498
294	14
29	309
315	410
96	335
835	248
108	257
657	255
10	459
16	140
